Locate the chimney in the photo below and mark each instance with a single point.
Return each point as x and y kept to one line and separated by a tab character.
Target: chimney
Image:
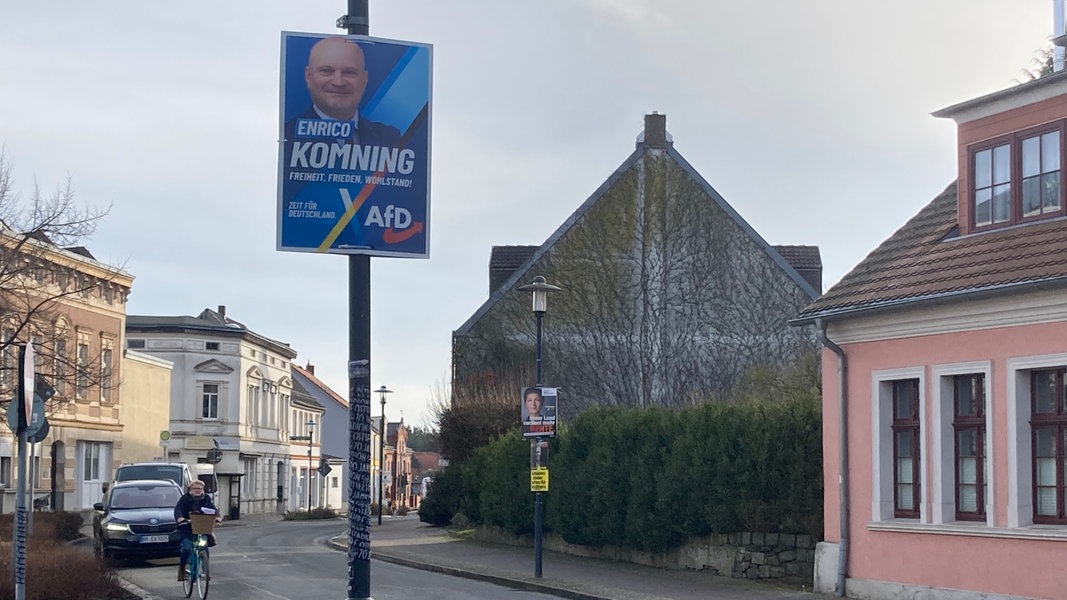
222	312
655	130
310	368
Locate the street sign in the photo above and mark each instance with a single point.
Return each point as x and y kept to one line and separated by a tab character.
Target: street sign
324	467
36	420
41	433
214	456
164	436
27	384
539	479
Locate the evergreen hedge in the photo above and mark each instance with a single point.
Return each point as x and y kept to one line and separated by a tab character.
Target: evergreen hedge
651	478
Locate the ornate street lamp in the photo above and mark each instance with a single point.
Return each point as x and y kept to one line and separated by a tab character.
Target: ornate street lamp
539	289
381	451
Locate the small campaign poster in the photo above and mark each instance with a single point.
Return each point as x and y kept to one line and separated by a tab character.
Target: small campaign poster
354	145
538	412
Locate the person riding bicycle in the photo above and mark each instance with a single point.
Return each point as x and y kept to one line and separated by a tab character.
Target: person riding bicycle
192	502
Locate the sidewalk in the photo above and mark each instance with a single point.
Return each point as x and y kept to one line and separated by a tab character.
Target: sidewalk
406	541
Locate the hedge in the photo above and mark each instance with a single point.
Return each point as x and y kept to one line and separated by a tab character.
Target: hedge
650	479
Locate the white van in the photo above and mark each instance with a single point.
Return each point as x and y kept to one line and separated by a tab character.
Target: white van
176	472
206	472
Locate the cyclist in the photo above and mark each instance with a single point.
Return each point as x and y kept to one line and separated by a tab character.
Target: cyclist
192	502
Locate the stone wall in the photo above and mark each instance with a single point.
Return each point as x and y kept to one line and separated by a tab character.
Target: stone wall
739	555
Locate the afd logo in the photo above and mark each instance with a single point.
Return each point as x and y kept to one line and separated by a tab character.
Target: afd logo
395	220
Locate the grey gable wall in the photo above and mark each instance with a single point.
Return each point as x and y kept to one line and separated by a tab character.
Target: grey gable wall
668	296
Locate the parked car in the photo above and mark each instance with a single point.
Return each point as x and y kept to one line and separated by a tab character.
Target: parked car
136	520
177	472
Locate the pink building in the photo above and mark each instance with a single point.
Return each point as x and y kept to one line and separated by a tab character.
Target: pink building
944	395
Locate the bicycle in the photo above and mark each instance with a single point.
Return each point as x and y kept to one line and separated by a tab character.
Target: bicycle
198	569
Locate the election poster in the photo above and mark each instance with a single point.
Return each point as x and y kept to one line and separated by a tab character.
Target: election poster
538	412
354	145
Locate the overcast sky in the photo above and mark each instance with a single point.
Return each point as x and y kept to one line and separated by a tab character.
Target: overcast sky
811	118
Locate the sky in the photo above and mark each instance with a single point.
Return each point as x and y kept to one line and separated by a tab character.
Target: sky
812	119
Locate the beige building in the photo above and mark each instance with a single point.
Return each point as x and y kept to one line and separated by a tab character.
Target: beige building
72	308
145	393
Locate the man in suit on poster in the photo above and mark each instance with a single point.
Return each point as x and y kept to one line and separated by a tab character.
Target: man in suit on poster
336	77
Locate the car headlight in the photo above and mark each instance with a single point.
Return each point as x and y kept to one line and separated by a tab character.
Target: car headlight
123	527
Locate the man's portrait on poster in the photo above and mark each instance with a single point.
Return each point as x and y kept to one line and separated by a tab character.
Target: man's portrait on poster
336	78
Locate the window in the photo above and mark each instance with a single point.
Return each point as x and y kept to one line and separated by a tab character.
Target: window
333	483
105	374
210	403
248	482
992	185
59	369
1048	426
211	346
9	368
91	459
906	467
135	344
1017	179
5	471
969	426
81	383
1041	174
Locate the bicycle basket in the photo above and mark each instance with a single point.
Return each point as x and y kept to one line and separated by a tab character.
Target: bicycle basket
202	523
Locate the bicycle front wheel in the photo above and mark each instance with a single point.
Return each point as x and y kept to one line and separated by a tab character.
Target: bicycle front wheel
203	579
190	575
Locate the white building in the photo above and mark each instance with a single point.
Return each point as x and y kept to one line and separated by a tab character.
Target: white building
231	389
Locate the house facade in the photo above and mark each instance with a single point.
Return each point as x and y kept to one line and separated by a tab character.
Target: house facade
231	389
306	450
73	312
334	438
944	394
145	396
398	479
667	296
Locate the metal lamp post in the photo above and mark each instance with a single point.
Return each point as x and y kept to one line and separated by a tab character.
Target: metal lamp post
539	289
381	451
311	438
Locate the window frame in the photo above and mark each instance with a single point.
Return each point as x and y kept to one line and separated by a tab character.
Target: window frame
975	423
1057	421
204	399
910	426
1014	142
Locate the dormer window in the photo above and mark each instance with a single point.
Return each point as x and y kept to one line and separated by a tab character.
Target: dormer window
1017	179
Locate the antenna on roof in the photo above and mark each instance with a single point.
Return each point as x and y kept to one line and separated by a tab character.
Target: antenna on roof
1059	35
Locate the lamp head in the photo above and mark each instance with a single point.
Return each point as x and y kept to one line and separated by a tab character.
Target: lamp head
539	289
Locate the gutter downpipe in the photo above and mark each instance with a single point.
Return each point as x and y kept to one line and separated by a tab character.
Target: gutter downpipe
842	393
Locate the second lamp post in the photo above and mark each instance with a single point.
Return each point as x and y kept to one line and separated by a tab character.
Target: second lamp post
381	451
539	289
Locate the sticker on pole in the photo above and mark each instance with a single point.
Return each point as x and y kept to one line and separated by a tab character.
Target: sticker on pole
539	479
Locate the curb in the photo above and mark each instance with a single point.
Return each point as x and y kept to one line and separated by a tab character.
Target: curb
526	584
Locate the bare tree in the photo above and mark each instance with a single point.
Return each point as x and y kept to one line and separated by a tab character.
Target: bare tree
45	275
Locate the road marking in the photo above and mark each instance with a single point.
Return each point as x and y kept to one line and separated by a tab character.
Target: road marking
268	592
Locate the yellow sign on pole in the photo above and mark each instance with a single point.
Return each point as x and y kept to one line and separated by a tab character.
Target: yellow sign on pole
539	479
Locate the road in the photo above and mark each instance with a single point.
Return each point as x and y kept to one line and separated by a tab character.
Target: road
289	560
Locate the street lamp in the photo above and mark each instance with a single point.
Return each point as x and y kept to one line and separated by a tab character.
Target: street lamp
381	451
539	289
311	438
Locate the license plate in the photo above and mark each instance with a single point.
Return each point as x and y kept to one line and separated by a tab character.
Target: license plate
154	539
